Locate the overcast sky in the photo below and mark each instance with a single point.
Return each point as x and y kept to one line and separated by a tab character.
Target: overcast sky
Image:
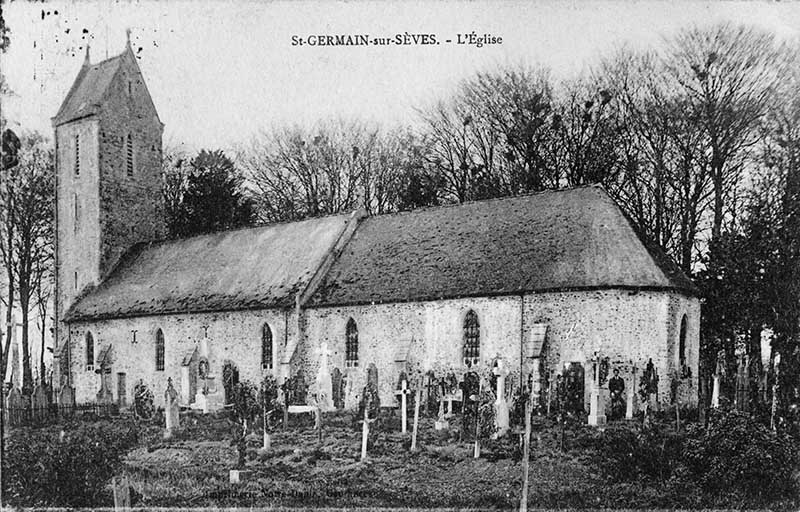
221	71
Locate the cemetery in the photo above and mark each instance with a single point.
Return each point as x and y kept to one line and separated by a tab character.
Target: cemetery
481	438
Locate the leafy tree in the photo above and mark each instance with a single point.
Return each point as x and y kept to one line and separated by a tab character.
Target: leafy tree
209	197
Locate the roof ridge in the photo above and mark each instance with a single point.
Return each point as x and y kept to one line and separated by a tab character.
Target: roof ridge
494	199
163	240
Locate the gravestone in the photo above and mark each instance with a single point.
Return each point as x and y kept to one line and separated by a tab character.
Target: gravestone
16	404
501	371
471	388
369	408
650	377
372	375
431	392
630	406
122	493
189	377
573	386
597	415
66	397
171	409
345	389
39	402
324	381
451	392
336	388
715	392
295	389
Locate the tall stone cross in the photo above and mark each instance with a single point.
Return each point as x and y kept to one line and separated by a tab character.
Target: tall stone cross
500	404
324	380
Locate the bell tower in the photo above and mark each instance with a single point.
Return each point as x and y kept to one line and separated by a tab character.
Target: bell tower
108	181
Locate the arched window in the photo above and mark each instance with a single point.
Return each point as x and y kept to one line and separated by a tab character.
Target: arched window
266	347
472	338
351	344
159	350
682	342
89	352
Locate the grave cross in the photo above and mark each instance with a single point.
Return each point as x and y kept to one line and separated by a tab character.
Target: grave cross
403	392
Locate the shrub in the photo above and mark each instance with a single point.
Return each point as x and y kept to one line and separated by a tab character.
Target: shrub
738	456
45	468
244	397
628	455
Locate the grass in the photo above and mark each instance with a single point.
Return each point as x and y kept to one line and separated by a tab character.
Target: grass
301	471
192	470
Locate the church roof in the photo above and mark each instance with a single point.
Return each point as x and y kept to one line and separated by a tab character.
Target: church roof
573	239
86	94
253	268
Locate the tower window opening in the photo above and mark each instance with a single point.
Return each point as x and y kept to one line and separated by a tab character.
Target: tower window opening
129	155
77	155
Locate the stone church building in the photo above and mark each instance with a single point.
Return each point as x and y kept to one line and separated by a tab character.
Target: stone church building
544	281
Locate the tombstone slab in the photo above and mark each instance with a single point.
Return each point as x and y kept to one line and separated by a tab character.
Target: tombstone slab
171	409
715	393
324	381
501	404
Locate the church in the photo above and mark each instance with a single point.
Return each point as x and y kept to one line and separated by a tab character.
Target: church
544	282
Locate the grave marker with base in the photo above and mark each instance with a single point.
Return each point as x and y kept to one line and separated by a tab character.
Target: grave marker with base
171	410
501	404
597	415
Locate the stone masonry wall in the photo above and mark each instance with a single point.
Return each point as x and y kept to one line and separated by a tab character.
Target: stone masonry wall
78	254
234	336
132	206
624	326
621	325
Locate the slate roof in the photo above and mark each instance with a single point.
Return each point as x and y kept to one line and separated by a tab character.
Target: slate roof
86	94
254	268
557	240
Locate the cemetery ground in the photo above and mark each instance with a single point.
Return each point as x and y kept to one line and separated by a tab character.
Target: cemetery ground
621	466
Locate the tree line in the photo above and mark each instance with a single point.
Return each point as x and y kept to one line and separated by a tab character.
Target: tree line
696	139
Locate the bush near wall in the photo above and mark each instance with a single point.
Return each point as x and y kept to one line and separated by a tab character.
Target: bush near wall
65	466
736	459
741	457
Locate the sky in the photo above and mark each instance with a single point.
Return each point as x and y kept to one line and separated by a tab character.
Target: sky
221	72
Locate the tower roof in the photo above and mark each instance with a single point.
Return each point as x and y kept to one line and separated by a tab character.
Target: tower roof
86	94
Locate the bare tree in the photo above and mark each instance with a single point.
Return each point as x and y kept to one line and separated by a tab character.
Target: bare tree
28	193
727	75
